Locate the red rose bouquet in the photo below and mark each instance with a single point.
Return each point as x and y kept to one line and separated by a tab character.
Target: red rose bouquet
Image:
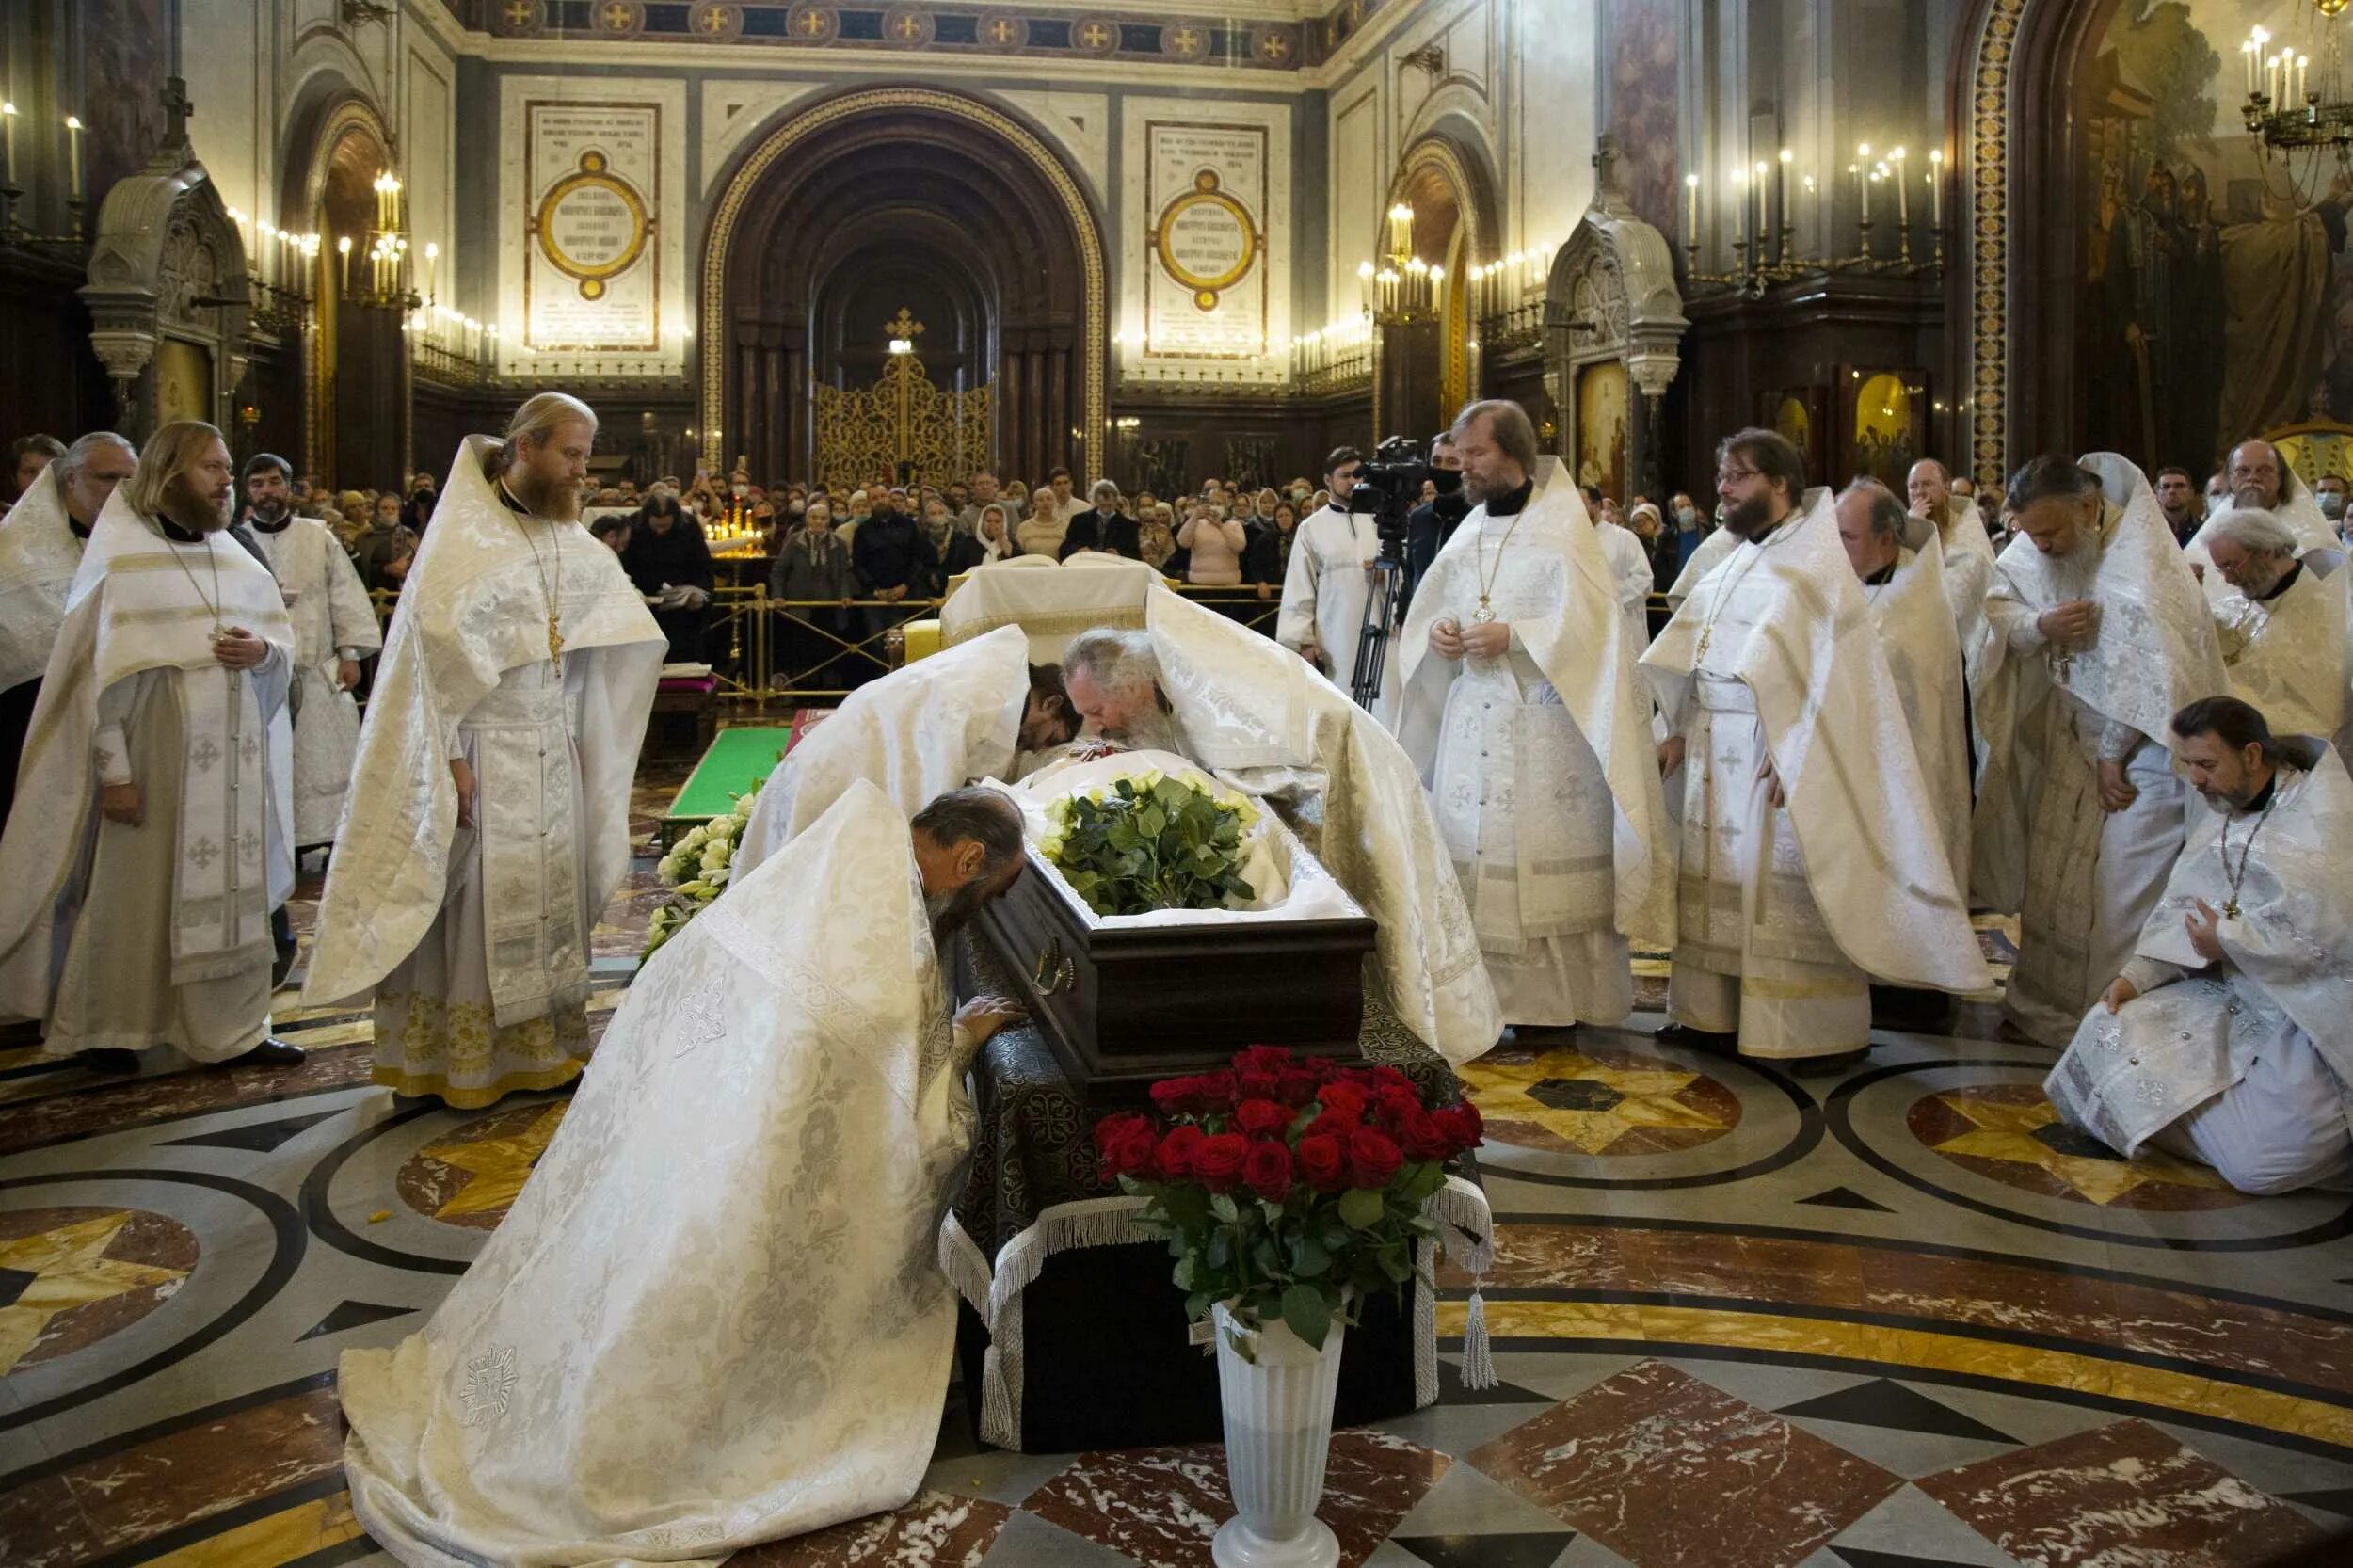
1289	1187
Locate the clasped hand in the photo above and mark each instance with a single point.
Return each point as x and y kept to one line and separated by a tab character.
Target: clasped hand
2073	624
1451	639
239	650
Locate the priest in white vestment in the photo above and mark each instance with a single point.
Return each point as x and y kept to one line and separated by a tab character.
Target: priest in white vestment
715	1316
968	711
2262	478
334	628
140	865
40	548
2079	810
1522	706
2226	1038
2282	626
1906	592
1330	579
1812	862
488	818
1709	553
1629	571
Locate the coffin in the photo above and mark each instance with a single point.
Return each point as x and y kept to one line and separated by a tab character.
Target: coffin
1125	1003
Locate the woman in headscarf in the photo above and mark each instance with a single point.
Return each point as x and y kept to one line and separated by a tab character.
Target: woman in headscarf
995	535
1156	536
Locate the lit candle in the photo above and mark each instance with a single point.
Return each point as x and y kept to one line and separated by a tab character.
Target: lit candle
2303	64
2257	55
1764	224
2246	57
1364	284
1903	192
1936	188
1741	202
2272	74
1863	188
1690	209
343	249
8	144
73	159
1401	230
1781	198
432	260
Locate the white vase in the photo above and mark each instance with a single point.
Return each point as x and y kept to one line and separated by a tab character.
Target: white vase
1278	1432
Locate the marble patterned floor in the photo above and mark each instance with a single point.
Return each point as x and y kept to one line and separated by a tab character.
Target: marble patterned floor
1901	1319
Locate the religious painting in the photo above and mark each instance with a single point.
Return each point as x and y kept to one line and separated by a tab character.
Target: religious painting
1643	88
2218	298
183	382
1887	433
2318	448
1796	414
1601	428
125	58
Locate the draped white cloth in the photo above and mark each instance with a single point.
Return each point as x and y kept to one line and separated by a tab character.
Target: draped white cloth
1541	763
2082	880
332	617
2199	1034
715	1316
1327	585
1711	552
1630	569
476	607
1053	603
1790	625
1913	614
39	555
917	733
132	668
2288	654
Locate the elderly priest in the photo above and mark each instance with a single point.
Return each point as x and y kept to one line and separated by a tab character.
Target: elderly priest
144	856
2079	812
1812	861
2225	1038
2282	626
715	1316
489	820
1524	710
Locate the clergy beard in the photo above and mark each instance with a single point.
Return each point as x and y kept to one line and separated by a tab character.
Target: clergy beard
194	512
1481	491
950	913
1152	731
1751	518
269	514
553	500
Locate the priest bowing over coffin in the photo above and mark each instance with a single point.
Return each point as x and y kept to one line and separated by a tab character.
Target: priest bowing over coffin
488	818
1812	860
143	855
2225	1037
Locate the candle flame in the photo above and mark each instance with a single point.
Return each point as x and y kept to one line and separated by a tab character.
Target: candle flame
72	122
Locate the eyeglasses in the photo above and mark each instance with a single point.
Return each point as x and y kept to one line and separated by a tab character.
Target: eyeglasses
1733	475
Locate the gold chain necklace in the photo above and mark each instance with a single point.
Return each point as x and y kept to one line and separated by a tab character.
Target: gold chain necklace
1715	610
1486	611
547	591
2230	905
211	604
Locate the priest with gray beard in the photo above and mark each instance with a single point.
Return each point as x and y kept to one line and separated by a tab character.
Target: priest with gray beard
2282	626
1113	679
139	867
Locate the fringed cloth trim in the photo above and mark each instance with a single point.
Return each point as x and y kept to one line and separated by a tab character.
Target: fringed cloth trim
1465	1231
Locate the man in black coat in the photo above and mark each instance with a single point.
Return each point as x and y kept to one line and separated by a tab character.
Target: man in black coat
1429	525
1105	528
894	561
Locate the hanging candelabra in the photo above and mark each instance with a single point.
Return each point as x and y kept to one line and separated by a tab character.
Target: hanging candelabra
1764	210
2296	100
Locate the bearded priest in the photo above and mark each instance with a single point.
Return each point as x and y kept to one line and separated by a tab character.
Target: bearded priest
2079	811
2282	626
1522	706
2224	1037
716	1316
40	548
1812	862
488	819
144	856
334	628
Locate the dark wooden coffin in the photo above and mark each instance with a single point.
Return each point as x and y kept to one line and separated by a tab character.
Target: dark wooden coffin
1130	1004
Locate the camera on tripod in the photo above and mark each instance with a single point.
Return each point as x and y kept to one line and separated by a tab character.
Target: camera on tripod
1388	486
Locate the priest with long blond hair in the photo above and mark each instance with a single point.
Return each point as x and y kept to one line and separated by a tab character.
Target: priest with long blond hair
488	815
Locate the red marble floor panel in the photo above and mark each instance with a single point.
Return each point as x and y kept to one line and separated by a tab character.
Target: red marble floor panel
935	1530
130	1102
2124	1494
1162	1506
1665	1470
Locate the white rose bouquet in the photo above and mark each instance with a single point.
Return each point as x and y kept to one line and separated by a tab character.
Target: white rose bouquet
696	871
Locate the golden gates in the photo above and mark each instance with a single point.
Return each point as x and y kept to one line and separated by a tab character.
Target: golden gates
902	424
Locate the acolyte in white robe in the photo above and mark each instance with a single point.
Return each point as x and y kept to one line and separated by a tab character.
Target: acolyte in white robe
332	621
1924	657
2082	880
1326	588
2287	656
125	936
2246	1065
1539	763
1630	572
716	1316
1786	914
474	942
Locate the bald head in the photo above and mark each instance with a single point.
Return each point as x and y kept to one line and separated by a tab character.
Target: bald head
1927	487
90	470
2258	477
1870	527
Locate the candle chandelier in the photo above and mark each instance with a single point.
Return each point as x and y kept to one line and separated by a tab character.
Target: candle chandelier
1763	222
1405	288
2296	97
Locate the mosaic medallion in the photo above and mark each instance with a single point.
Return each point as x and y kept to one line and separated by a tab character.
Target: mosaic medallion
2008	1133
1598	1102
473	1176
69	1277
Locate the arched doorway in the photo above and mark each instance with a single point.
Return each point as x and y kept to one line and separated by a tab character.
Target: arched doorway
354	361
1430	368
893	198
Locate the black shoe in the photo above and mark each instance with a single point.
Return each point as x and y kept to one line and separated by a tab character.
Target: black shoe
1710	1040
110	1059
1828	1067
269	1053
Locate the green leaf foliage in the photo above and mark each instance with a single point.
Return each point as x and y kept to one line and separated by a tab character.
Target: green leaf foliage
1171	846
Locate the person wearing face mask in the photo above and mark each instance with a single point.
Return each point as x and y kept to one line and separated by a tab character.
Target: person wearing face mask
136	872
2223	1037
1429	525
40	547
2328	494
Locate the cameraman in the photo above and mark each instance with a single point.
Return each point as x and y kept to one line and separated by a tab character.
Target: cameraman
1429	525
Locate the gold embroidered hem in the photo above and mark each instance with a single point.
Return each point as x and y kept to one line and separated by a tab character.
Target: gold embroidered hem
429	1045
